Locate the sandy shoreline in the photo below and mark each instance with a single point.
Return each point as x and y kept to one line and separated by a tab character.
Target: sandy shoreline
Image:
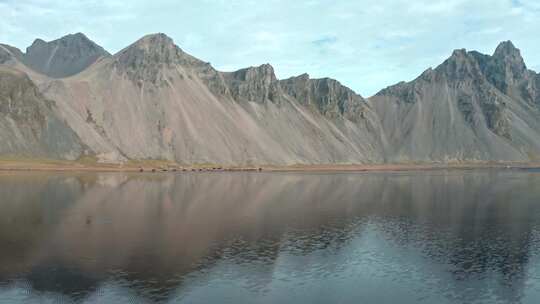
36	165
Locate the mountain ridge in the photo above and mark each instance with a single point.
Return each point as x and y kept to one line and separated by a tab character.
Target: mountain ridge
483	93
60	58
151	100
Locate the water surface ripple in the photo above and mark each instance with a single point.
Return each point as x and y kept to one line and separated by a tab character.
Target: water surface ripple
409	237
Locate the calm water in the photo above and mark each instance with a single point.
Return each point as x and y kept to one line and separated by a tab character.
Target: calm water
415	237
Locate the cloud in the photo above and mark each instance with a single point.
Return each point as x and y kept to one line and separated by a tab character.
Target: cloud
367	44
324	41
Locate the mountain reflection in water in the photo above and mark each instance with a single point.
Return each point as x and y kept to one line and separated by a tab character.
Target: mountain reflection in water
433	237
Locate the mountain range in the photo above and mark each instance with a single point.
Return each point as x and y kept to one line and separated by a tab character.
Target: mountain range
69	98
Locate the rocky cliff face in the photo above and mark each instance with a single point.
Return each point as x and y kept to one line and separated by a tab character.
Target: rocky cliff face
471	107
328	96
532	90
149	58
154	101
64	57
29	126
9	53
258	84
145	59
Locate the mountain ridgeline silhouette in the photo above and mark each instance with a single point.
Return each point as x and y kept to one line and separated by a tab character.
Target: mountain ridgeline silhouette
152	100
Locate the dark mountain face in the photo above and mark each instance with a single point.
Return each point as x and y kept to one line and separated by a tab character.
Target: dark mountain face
157	50
471	107
8	52
258	84
532	92
509	58
144	59
498	80
473	75
328	96
29	125
506	70
64	57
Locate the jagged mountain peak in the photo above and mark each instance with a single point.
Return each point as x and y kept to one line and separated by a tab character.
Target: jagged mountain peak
258	84
303	78
77	38
156	49
70	41
265	71
78	35
300	80
510	59
507	52
334	82
459	57
504	67
266	66
506	48
154	43
37	42
484	95
331	98
459	53
146	58
63	57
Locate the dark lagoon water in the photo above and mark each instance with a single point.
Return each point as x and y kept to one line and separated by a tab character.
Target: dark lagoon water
410	237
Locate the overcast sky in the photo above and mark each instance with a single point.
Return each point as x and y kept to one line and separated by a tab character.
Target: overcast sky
365	44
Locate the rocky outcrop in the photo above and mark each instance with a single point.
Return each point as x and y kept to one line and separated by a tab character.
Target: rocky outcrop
469	108
531	92
258	84
154	101
328	96
29	126
63	57
146	58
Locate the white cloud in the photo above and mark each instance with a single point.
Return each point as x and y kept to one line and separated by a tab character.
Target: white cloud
366	44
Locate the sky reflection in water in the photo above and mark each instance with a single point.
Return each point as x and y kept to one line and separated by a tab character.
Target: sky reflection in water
431	237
